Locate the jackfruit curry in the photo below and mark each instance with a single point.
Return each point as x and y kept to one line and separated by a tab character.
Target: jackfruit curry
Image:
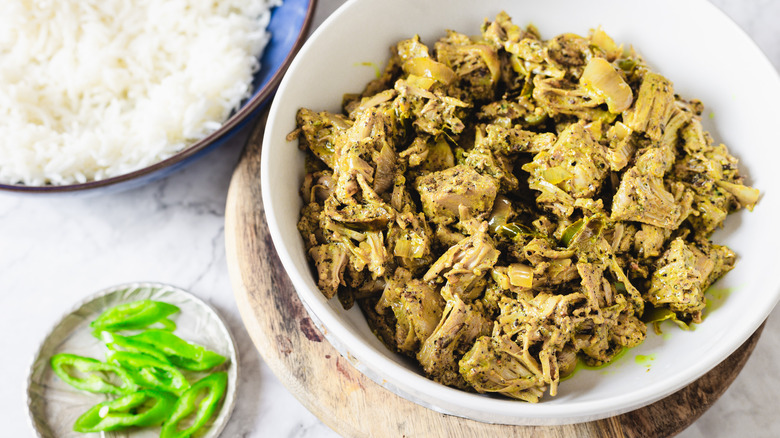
502	206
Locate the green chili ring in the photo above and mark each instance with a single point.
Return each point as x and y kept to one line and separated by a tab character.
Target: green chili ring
211	388
95	371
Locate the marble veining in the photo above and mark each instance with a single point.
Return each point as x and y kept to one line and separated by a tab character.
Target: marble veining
56	251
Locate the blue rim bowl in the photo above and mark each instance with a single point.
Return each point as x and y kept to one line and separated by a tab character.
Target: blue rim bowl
288	26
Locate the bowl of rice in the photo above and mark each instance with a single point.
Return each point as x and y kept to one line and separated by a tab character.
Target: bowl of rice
98	94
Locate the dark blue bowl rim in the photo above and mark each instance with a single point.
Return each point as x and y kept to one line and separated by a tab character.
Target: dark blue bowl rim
257	101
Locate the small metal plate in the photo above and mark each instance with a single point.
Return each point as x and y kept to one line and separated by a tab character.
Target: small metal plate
55	406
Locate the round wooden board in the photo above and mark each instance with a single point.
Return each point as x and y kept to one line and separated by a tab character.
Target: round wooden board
352	404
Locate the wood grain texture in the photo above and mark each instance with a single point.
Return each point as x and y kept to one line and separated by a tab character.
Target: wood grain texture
353	405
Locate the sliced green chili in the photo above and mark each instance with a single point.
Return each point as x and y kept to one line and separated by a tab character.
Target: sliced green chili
179	352
570	231
117	342
135	315
513	229
143	408
91	375
150	372
209	391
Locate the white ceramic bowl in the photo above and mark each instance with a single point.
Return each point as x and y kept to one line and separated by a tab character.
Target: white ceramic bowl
692	43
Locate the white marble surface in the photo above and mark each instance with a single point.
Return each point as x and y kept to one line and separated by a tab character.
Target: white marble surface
56	251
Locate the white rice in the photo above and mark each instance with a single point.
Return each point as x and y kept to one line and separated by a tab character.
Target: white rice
91	89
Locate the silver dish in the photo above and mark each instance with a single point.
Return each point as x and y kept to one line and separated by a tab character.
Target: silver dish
54	405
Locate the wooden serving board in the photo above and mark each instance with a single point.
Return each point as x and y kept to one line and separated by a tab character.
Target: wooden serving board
352	404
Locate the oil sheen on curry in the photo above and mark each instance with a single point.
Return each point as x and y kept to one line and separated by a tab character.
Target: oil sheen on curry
502	206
